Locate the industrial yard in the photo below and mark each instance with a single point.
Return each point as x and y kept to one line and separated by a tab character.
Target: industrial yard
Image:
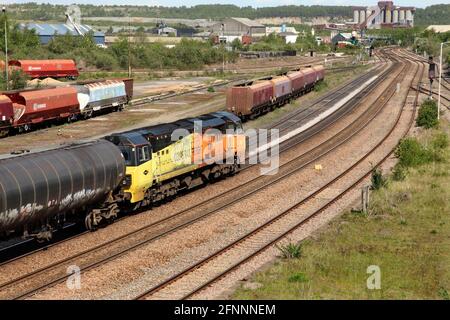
255	162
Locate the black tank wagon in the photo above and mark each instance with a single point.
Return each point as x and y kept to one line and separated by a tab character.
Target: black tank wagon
40	191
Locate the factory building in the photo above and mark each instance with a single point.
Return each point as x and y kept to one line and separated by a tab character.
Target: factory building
384	15
47	32
239	27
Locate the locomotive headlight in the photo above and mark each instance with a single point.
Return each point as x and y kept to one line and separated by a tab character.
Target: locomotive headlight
127	181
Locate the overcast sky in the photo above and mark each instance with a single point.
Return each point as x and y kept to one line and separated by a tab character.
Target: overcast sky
254	3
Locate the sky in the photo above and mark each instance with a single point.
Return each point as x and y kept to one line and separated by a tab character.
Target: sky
253	3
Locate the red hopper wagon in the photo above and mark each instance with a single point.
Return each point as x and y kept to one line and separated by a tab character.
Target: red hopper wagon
47	68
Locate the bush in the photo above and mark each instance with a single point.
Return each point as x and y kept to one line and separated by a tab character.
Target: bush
427	114
290	250
378	181
411	153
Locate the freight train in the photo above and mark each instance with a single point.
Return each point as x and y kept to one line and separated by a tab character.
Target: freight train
24	110
56	68
253	99
95	181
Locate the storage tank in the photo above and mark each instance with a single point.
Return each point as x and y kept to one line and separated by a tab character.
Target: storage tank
281	86
402	16
395	16
362	16
356	16
388	16
409	16
38	186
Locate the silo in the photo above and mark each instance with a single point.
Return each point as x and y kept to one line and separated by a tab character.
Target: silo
362	16
409	15
402	16
388	16
355	15
395	16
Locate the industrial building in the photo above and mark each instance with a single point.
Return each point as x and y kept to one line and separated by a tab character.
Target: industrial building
47	32
239	27
384	15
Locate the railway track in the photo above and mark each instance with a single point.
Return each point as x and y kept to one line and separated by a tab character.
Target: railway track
315	108
60	274
199	276
238	80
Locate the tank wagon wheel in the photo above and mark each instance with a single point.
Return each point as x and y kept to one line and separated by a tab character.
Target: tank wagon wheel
88	114
4	133
92	221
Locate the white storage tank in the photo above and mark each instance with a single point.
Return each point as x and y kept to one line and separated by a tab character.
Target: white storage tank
356	16
362	16
402	16
395	16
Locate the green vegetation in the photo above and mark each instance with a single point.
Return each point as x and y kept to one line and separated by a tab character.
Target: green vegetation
32	11
290	250
378	181
417	38
188	54
428	113
435	14
406	233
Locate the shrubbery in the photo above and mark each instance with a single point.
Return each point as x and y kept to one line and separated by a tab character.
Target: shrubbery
427	114
188	54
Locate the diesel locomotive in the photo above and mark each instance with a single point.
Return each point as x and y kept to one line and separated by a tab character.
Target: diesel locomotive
96	181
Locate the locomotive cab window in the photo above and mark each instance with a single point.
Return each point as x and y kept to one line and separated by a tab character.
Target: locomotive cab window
128	153
143	154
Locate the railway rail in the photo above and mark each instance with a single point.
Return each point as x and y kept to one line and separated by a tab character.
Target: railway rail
197	277
316	107
56	279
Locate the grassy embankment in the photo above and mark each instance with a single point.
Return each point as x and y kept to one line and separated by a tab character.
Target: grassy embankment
406	232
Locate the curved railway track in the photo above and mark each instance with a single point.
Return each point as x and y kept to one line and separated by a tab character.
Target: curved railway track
315	108
15	283
197	277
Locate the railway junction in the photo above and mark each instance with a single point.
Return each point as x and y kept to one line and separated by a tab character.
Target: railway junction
202	244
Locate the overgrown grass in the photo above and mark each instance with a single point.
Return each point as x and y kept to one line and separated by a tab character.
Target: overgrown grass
406	233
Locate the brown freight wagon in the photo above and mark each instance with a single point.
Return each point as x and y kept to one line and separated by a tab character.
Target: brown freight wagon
310	78
251	100
36	106
298	81
320	72
282	89
6	115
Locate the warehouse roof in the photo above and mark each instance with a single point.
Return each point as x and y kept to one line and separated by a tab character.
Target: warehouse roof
46	29
439	28
248	22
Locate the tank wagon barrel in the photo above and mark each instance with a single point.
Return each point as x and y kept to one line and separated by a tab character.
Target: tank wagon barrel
39	188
